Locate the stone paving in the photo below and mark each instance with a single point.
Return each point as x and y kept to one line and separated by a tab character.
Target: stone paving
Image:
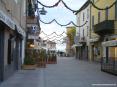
68	72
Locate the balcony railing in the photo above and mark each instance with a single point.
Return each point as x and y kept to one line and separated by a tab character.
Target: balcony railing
109	65
32	21
105	27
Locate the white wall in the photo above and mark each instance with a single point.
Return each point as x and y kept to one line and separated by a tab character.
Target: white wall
80	21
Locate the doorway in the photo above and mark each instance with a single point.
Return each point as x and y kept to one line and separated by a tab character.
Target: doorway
1	54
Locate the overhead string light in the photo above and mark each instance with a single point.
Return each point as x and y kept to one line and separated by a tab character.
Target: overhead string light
54	37
53	33
54	40
103	8
76	11
71	22
56	4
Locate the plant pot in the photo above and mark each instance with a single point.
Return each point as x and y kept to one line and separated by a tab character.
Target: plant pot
28	67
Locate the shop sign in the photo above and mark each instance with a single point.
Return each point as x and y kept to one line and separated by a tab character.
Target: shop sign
7	20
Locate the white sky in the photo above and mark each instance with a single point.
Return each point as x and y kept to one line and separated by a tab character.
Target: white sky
61	14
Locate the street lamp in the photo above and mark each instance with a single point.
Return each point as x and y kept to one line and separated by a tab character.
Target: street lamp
42	11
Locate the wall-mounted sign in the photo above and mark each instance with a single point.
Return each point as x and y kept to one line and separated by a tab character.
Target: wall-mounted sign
4	18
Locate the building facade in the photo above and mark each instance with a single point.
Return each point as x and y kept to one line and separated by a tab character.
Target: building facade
12	36
83	33
33	25
104	24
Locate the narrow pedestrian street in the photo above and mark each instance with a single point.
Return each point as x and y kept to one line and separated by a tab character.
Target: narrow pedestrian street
68	72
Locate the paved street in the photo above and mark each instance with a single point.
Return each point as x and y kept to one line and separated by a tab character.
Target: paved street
68	72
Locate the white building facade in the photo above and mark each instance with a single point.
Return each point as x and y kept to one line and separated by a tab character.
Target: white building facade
83	32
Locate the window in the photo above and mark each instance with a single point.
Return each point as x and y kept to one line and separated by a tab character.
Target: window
11	49
87	30
116	10
92	22
98	17
106	14
83	32
83	16
87	13
9	52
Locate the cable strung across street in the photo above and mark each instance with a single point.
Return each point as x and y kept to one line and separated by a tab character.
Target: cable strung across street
75	11
53	33
71	22
103	8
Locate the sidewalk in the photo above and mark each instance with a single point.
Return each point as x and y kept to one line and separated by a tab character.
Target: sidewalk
68	72
23	78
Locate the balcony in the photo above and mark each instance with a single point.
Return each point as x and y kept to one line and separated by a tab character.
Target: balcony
105	27
32	21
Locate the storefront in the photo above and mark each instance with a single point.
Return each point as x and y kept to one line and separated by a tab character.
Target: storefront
7	28
20	39
11	46
77	50
109	59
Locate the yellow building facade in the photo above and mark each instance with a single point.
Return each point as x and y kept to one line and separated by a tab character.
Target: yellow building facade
104	26
99	18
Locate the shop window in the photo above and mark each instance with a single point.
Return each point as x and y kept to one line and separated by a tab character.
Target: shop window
10	50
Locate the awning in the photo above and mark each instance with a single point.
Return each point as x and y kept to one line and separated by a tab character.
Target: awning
94	40
4	18
20	31
110	43
77	45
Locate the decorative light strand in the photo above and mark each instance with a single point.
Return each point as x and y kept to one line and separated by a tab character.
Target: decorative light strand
103	8
53	33
56	4
71	22
76	11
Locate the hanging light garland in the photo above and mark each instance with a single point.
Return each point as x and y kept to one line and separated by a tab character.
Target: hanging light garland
103	8
55	37
53	33
71	22
56	4
76	11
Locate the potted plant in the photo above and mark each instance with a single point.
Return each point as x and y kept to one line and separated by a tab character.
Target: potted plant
42	59
29	60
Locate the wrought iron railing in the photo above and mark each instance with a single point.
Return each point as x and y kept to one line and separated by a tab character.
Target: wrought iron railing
109	65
